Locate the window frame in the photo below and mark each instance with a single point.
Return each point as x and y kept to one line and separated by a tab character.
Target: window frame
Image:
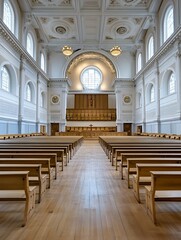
171	84
42	63
166	29
96	71
30	48
28	92
152	93
139	62
42	99
5	83
150	47
11	24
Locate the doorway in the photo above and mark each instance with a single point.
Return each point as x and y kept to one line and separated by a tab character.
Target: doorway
42	128
54	128
139	129
127	127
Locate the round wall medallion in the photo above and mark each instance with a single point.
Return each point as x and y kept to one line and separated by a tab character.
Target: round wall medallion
55	99
127	99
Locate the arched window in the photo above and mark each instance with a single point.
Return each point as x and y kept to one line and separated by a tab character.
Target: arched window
138	100
42	61
42	100
91	78
150	48
30	44
139	62
9	16
171	84
152	94
28	95
168	23
5	79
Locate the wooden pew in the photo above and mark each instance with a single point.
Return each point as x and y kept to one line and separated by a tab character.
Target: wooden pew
45	166
165	186
143	175
161	153
112	143
116	151
38	150
14	186
143	149
131	164
49	141
35	176
52	156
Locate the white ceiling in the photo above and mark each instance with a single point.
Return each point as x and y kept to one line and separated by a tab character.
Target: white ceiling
90	24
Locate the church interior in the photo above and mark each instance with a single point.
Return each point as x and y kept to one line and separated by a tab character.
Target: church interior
90	119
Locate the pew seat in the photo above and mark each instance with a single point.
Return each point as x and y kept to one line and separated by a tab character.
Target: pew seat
143	175
35	177
14	186
131	164
165	186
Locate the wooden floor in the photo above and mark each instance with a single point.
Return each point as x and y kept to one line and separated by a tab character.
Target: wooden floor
89	201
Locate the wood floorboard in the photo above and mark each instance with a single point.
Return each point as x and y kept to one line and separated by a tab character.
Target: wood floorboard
89	201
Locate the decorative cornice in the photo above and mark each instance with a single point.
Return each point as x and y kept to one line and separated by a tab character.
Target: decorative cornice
17	46
119	82
61	80
162	50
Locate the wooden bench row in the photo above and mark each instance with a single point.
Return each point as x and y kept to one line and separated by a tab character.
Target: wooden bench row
10	136
152	163
142	169
14	186
38	162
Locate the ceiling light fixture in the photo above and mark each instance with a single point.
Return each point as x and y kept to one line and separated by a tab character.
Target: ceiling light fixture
67	51
115	51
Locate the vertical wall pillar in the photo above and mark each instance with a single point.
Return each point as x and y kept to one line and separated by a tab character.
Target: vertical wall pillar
63	107
21	94
178	76
118	110
157	96
143	104
38	96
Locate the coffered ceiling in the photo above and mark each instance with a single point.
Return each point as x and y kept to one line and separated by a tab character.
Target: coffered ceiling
90	24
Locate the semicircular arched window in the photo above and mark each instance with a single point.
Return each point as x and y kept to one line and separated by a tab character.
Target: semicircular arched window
91	78
28	95
150	48
42	61
5	79
152	94
168	23
139	62
9	16
30	44
171	84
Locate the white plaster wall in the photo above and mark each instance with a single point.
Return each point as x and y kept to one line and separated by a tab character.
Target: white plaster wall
56	64
70	101
126	65
111	101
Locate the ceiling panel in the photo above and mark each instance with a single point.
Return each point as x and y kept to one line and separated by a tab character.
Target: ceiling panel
90	24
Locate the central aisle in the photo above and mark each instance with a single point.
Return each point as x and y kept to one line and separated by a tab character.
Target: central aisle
89	201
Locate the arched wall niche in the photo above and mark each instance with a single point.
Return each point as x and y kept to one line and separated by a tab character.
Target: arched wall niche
83	60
